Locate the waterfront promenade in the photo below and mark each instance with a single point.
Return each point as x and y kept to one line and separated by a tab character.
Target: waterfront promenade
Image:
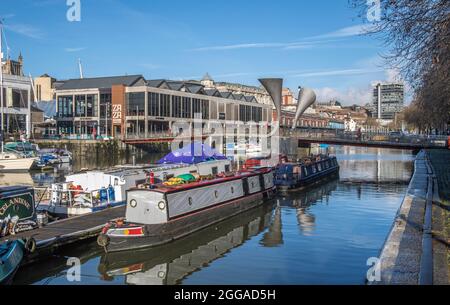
416	249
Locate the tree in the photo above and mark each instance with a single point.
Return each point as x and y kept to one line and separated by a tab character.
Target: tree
417	35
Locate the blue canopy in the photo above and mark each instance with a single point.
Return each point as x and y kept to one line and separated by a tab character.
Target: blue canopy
192	154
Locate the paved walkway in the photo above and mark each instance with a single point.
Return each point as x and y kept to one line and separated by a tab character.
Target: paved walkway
414	253
402	252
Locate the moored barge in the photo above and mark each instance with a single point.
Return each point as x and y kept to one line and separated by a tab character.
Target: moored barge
295	176
158	214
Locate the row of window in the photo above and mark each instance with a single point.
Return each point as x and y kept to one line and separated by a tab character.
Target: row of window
159	105
83	106
250	113
164	105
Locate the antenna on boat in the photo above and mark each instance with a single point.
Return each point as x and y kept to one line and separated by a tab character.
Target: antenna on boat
80	67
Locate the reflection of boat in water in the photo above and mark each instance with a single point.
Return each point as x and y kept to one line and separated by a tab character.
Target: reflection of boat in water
51	268
11	179
301	202
171	263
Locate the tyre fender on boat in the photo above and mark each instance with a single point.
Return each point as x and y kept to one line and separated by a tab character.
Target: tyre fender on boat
30	245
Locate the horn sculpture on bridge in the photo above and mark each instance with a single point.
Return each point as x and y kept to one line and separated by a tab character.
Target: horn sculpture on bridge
274	87
306	97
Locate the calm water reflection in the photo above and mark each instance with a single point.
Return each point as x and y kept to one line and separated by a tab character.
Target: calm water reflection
321	235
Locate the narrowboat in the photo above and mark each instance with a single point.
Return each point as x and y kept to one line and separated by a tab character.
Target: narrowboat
295	176
12	253
91	191
158	214
17	209
170	264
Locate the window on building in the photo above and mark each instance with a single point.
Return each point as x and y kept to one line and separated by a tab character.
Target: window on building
92	105
105	105
186	104
176	106
135	103
196	106
205	109
80	105
165	105
65	104
153	104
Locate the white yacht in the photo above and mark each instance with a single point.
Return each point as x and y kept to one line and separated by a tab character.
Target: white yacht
13	162
91	191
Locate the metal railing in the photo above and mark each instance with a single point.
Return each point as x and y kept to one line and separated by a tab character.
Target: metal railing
68	198
394	138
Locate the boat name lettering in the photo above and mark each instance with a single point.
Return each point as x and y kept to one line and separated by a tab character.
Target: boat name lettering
14	201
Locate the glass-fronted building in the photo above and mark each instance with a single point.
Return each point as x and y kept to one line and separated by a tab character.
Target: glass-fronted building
388	99
132	107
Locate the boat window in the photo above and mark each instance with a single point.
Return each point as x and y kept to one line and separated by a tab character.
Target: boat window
6	157
306	171
190	200
253	184
319	167
214	170
116	181
232	190
227	168
216	194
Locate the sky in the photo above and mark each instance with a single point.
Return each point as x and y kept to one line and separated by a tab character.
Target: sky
316	44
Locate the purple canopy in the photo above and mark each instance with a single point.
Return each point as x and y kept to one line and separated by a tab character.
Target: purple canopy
192	154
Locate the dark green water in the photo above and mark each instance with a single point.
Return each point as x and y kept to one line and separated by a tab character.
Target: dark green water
323	235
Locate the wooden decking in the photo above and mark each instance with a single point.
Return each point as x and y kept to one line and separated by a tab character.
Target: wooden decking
67	231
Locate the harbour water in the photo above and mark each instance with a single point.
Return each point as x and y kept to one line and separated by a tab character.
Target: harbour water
323	235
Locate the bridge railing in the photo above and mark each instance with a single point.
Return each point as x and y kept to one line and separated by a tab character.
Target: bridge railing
361	137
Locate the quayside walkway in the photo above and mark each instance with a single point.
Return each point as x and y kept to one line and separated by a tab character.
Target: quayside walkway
415	252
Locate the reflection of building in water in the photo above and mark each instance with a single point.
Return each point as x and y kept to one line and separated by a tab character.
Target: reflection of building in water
170	264
302	201
274	236
375	164
306	221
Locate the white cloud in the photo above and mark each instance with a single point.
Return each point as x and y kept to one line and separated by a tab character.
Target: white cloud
354	30
353	95
75	49
341	72
25	30
305	43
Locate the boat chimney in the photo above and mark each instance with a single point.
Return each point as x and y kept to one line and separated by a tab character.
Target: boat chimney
152	178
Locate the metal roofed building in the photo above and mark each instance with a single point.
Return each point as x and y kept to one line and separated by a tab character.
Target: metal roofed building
133	107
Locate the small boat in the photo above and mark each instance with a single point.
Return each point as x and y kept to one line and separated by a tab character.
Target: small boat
158	214
15	162
24	148
92	191
295	176
56	155
11	255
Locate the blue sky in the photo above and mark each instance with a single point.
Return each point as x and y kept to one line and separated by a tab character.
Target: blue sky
308	43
